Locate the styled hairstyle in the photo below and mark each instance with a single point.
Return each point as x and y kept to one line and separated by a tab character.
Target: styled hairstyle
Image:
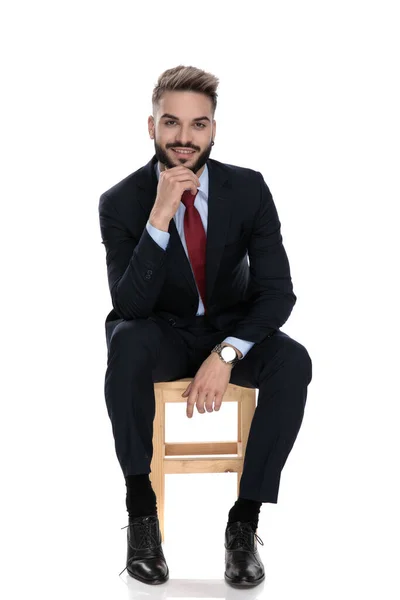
183	78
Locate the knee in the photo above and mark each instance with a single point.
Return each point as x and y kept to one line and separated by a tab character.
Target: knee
299	358
302	360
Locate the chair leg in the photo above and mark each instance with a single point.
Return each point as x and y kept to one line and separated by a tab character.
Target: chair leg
239	439
157	476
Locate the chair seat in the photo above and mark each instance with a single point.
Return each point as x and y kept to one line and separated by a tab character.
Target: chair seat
197	457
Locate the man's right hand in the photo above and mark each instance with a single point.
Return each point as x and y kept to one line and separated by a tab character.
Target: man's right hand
172	183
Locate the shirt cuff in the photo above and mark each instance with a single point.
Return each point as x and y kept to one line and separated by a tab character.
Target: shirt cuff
160	237
242	345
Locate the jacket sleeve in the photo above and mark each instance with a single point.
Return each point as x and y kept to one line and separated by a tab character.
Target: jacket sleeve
135	267
271	297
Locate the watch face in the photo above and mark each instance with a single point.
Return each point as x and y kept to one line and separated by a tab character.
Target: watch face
228	353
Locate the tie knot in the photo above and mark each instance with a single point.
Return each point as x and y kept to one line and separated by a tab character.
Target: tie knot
188	198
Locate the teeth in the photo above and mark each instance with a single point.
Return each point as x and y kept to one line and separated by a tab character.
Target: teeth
184	151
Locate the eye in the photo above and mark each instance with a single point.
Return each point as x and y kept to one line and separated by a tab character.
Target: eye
202	124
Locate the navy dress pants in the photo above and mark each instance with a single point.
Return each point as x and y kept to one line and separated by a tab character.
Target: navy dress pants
142	352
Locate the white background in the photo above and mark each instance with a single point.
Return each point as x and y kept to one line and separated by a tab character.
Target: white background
309	96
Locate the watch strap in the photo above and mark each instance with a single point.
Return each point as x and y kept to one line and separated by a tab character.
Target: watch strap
218	349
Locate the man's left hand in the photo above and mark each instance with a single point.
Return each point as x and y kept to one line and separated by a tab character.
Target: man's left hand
211	381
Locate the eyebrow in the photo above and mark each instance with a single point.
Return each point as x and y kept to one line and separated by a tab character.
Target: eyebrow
177	118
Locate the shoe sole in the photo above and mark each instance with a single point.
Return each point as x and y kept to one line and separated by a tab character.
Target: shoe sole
244	583
150	581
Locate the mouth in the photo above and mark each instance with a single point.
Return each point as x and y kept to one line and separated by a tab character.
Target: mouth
183	152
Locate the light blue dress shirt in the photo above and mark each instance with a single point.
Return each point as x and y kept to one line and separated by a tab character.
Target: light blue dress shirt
162	239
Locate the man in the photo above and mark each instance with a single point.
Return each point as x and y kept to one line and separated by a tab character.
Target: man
178	234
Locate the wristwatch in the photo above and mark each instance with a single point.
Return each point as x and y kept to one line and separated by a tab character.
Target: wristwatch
227	354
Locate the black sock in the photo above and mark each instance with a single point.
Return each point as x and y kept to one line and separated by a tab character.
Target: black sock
245	510
140	497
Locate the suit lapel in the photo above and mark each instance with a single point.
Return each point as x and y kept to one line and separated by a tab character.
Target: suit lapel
219	216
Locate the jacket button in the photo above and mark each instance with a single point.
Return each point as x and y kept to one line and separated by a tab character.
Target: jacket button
172	322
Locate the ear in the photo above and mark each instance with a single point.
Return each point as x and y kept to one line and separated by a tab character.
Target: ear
150	125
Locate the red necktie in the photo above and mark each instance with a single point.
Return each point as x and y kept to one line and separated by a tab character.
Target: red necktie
195	237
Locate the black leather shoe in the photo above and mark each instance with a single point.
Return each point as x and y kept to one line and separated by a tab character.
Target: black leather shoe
243	565
145	558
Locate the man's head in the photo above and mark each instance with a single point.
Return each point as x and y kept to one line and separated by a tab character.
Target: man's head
184	103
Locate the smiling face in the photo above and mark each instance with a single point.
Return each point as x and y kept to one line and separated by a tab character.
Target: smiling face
183	121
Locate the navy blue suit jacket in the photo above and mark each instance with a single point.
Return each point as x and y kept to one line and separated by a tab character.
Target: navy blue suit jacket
247	301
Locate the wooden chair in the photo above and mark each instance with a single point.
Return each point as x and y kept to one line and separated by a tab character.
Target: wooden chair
180	457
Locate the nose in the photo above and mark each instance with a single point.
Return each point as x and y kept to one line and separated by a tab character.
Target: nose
184	132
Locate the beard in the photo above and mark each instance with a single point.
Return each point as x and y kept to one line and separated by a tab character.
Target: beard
165	159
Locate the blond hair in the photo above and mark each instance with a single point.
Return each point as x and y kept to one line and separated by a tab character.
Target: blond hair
183	78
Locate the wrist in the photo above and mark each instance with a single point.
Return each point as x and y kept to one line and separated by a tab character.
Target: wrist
218	358
159	222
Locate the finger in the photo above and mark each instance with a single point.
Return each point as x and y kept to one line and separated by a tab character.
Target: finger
181	174
178	169
209	402
218	401
191	401
202	397
186	177
187	389
191	186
